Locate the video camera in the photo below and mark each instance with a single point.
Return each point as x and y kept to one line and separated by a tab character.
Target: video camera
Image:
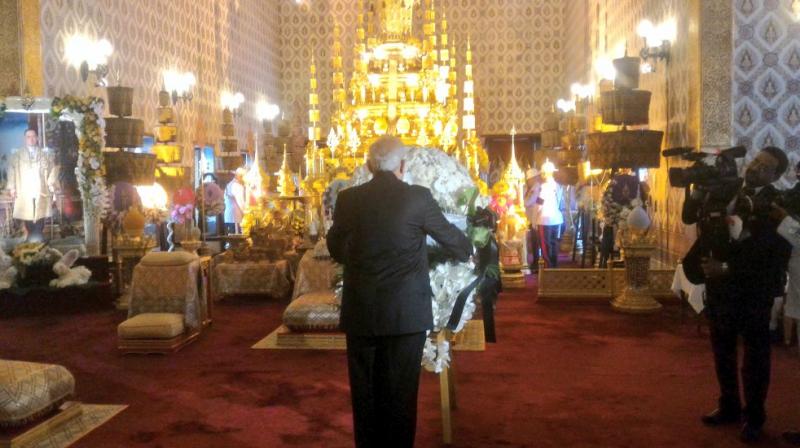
716	176
722	171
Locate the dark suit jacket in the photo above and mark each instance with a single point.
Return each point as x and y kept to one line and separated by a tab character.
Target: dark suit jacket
378	234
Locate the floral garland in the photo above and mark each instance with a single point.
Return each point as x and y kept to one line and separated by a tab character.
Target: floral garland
90	170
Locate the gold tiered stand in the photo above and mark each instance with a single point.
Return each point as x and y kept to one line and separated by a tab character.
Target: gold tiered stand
636	297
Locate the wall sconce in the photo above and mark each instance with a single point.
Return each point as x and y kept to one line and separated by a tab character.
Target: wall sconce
657	39
583	94
179	85
89	57
266	113
232	101
582	91
796	9
565	106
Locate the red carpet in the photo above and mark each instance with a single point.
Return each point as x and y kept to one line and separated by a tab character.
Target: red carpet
560	376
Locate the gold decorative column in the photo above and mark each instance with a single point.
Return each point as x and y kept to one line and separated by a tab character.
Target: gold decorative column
21	68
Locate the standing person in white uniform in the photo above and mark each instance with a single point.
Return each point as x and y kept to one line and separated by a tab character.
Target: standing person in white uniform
235	202
533	185
550	218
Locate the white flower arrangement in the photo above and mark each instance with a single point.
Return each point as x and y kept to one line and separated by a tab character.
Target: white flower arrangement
87	114
448	182
447	179
613	213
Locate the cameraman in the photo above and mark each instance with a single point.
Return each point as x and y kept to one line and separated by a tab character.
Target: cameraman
740	287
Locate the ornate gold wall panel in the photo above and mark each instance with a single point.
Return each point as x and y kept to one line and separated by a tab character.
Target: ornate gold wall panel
716	48
10	67
517	45
229	44
31	38
766	73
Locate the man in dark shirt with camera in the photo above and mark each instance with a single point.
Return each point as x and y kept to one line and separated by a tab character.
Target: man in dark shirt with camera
739	294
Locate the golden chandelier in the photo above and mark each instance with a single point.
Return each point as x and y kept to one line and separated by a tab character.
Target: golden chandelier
399	85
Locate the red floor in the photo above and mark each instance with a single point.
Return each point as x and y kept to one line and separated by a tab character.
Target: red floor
560	376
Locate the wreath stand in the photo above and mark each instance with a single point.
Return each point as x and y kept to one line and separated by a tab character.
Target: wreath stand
447	390
472	338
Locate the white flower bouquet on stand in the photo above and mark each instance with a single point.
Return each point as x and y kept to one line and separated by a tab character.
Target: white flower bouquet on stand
449	183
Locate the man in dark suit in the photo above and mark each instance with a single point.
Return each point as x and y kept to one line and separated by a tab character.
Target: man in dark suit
739	295
379	232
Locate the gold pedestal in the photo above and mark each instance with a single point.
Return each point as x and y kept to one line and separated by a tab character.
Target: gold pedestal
512	262
636	297
512	276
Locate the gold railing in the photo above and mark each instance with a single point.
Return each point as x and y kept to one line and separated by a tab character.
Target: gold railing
597	284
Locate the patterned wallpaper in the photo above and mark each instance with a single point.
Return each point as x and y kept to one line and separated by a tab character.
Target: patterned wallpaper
228	44
766	75
517	45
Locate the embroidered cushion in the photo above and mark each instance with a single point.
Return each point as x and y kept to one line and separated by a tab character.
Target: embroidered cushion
152	326
313	311
177	258
28	390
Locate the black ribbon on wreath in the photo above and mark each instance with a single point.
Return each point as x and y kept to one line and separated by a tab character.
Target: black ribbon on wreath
482	225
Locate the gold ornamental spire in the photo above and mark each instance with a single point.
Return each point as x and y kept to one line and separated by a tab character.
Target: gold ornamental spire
444	54
371	24
313	104
429	31
514	175
361	41
452	76
285	184
339	93
314	133
468	117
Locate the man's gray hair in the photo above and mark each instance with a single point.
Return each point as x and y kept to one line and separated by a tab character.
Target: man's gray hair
386	154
